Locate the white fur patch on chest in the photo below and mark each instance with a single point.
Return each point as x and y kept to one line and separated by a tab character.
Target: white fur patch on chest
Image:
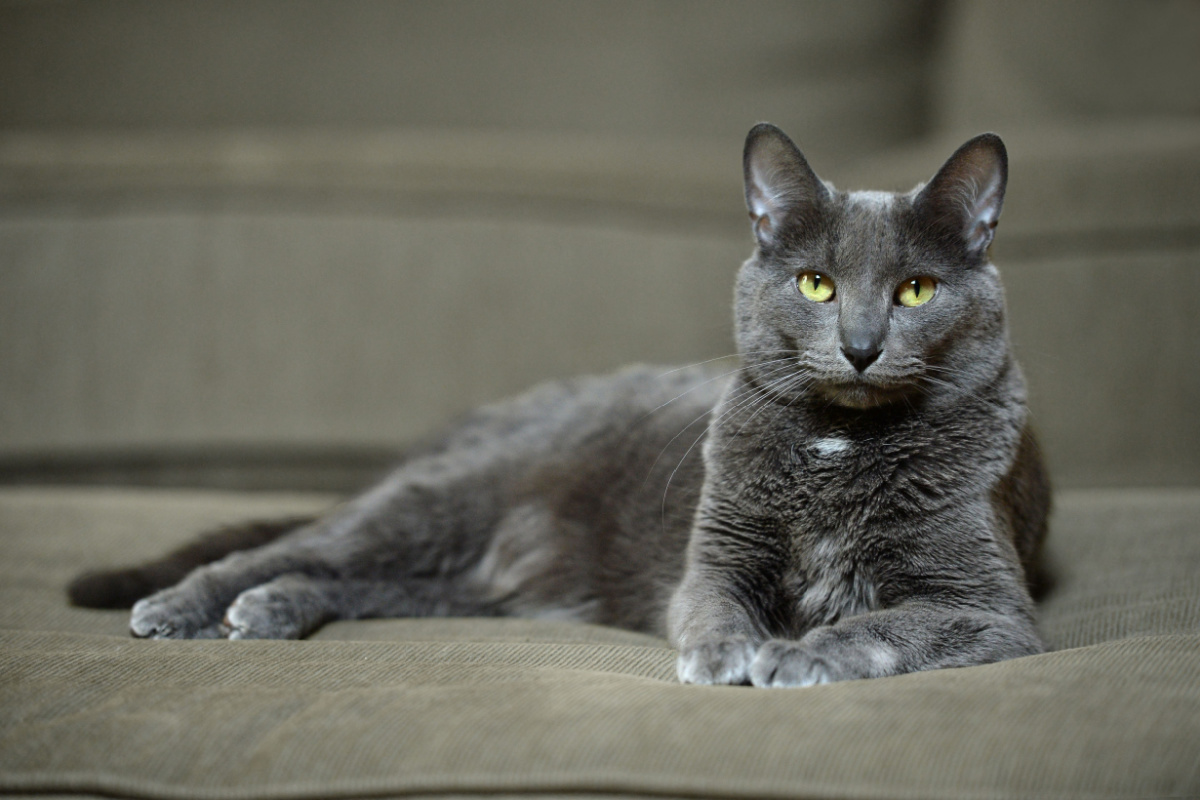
831	446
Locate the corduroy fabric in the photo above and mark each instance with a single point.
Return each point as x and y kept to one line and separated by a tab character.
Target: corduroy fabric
408	708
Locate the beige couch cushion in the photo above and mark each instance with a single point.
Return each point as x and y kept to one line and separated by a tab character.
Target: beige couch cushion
435	707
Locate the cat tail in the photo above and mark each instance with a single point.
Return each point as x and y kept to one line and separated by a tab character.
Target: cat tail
121	588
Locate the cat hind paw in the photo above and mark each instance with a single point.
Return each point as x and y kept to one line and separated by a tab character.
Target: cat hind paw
165	616
274	610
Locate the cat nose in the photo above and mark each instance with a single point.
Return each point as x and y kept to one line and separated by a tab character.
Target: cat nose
861	354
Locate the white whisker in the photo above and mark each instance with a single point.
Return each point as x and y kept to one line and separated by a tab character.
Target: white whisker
706	382
722	358
745	396
706	413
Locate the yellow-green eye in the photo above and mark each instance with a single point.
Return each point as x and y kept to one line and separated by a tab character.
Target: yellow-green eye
916	292
815	286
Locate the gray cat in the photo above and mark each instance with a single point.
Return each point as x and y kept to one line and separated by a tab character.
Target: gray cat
868	499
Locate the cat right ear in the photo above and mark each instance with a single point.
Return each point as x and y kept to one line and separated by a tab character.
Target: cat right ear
782	191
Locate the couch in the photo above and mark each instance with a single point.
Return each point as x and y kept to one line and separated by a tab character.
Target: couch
251	251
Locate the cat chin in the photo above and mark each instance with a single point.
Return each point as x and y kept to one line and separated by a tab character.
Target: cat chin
862	396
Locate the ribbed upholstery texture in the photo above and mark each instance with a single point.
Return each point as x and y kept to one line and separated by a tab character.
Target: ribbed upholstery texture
517	707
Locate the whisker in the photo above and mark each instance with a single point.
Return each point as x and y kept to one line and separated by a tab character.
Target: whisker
703	383
991	403
750	395
787	383
758	392
740	354
690	424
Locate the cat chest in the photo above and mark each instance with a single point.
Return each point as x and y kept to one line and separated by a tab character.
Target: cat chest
839	484
831	583
841	512
845	502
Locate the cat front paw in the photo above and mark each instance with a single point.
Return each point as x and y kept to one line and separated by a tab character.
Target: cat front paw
722	661
782	663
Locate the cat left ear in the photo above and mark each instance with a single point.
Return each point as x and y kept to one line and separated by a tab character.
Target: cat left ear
781	189
965	197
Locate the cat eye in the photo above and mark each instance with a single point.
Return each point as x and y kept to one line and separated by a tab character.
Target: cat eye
815	286
916	292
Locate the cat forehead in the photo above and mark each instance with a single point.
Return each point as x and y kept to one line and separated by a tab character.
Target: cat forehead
864	227
870	213
879	201
874	200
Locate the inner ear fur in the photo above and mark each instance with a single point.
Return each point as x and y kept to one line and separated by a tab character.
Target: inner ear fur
781	188
963	200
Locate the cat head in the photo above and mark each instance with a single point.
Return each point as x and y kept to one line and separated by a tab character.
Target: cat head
863	299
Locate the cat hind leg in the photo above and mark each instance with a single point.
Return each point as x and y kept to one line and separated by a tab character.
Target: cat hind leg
294	605
195	607
122	587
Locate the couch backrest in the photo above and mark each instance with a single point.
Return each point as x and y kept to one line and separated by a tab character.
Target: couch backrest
849	77
296	222
1070	61
265	290
550	197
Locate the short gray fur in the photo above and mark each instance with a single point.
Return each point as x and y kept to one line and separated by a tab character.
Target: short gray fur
867	499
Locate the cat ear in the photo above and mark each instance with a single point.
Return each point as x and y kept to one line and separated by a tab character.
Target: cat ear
964	198
781	188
